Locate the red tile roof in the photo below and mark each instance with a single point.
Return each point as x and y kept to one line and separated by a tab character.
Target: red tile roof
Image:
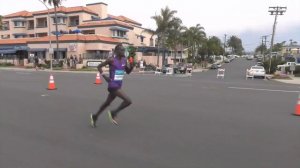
124	19
13	41
64	38
61	9
84	38
19	14
105	23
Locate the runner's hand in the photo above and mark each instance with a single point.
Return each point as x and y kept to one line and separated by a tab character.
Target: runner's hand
100	70
106	78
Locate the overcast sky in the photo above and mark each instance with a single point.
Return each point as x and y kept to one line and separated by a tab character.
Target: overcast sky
233	17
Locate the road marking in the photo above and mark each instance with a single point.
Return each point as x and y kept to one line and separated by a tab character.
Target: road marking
269	90
23	73
44	95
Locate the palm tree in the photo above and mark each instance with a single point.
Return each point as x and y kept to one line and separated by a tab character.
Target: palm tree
236	45
163	22
194	39
214	45
56	4
175	35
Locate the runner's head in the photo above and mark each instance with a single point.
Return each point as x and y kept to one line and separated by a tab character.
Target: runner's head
120	50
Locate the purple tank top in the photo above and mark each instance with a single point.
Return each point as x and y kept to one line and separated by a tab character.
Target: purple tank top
117	72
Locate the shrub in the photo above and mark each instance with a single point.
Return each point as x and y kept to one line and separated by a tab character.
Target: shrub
6	64
274	63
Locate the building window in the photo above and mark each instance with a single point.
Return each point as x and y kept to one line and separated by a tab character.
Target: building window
88	31
19	24
151	42
119	33
30	25
41	34
5	26
41	22
74	21
20	36
7	36
60	20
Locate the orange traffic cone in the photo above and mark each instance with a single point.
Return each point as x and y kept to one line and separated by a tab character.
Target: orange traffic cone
98	80
297	109
51	85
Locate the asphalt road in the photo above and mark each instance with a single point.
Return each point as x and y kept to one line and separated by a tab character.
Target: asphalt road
174	122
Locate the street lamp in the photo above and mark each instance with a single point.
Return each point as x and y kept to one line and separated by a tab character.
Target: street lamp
49	31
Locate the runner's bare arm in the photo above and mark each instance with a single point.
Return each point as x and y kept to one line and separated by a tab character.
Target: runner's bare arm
106	62
130	68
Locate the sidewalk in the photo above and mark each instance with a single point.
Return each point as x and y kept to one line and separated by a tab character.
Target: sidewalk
293	80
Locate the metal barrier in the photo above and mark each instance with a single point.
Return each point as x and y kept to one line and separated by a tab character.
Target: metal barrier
249	74
158	71
221	73
189	71
170	71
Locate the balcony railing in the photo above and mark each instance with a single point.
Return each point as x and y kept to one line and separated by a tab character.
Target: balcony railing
4	29
41	26
73	24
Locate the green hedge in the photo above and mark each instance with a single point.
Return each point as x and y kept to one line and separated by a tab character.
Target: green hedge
6	64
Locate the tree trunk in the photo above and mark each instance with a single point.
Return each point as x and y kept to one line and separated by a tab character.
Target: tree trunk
175	54
157	51
56	34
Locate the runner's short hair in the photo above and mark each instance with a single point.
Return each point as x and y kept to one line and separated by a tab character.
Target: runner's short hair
118	46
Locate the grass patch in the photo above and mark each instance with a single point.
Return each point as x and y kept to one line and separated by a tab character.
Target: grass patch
281	76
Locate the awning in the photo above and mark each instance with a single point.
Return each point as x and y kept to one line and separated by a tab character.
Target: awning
20	34
21	48
9	51
37	49
118	28
61	49
13	48
151	49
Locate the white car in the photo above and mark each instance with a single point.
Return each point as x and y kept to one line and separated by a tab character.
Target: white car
249	57
257	71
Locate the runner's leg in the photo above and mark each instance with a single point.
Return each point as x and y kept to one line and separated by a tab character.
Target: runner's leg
110	98
126	102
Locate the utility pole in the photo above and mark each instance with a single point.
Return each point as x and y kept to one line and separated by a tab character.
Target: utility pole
224	46
263	44
277	10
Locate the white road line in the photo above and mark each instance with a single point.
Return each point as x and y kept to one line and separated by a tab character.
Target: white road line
269	90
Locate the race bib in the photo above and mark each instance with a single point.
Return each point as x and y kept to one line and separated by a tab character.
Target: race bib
119	75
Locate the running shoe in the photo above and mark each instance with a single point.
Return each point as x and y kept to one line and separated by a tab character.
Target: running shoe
112	118
93	120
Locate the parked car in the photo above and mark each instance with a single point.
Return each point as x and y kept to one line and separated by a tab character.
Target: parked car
258	71
226	60
214	66
219	65
165	67
259	58
259	64
249	57
181	67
